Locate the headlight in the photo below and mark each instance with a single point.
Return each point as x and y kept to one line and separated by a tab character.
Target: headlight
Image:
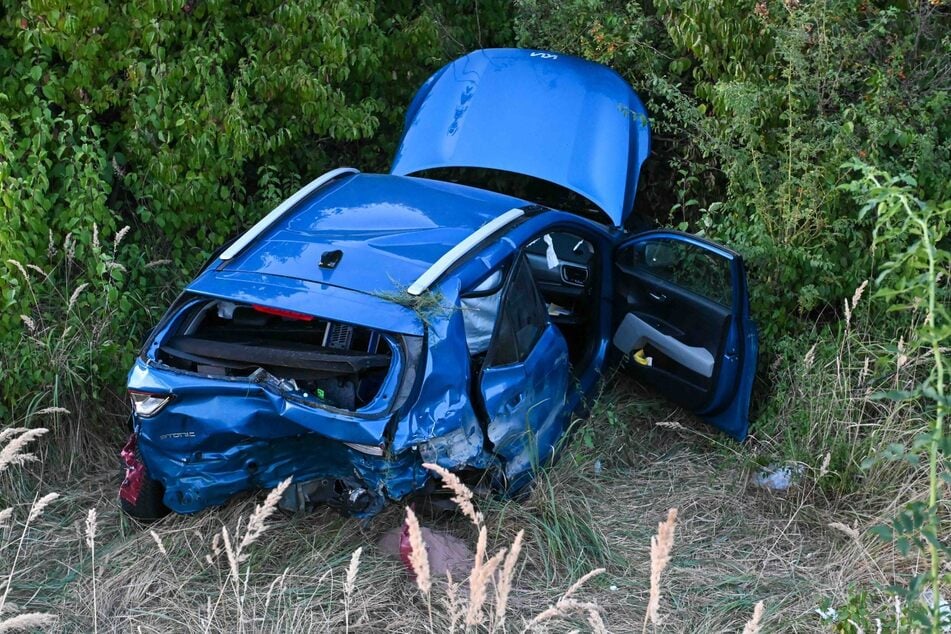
147	404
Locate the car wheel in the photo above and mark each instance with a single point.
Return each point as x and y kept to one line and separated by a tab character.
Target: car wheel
148	506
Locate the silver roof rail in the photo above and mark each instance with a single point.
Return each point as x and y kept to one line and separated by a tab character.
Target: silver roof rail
453	255
262	225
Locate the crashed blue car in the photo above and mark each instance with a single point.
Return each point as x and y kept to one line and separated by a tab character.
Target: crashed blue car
372	323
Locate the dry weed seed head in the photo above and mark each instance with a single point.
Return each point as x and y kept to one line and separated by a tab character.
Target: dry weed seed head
229	551
418	557
857	295
76	292
352	570
256	525
13	453
847	530
29	323
506	578
215	549
40	505
28	622
158	543
19	266
453	602
5	516
120	235
10	432
902	358
91	528
810	358
479	586
661	545
567	605
565	608
51	410
753	625
596	622
463	495
69	246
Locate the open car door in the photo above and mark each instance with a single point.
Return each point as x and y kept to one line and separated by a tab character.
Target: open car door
682	315
524	380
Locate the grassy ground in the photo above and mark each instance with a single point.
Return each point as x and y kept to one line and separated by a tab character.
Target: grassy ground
735	544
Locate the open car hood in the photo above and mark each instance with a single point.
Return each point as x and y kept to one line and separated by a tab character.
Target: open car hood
550	116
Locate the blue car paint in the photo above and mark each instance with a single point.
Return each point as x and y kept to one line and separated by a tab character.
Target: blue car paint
325	300
401	225
219	435
552	116
525	403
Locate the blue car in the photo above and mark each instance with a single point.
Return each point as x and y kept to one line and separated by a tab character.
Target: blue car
372	323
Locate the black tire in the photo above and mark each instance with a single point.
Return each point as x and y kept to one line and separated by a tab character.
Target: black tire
148	506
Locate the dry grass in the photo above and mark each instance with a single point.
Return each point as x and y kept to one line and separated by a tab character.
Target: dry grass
247	567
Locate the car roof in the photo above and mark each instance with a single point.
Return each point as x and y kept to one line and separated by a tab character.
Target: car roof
389	231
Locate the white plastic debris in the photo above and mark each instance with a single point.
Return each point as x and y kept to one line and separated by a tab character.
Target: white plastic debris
778	477
550	256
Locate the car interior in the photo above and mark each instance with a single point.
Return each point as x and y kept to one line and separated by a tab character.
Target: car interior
675	303
562	265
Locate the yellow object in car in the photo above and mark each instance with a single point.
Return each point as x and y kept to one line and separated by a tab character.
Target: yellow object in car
642	359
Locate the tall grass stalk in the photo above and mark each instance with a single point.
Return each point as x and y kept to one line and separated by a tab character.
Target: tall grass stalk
350	585
661	545
91	522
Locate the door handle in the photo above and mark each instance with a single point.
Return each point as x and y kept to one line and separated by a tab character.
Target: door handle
511	405
660	297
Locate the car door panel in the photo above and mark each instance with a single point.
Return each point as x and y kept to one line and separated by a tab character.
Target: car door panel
525	403
524	380
682	317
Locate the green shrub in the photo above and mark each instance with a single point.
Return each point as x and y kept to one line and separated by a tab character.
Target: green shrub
755	109
185	121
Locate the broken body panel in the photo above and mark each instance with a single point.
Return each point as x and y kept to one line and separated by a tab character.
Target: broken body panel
559	118
333	345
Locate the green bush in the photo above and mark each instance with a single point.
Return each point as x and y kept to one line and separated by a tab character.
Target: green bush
756	108
184	121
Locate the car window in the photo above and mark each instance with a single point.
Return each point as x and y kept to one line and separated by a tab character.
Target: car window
522	319
687	265
566	247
